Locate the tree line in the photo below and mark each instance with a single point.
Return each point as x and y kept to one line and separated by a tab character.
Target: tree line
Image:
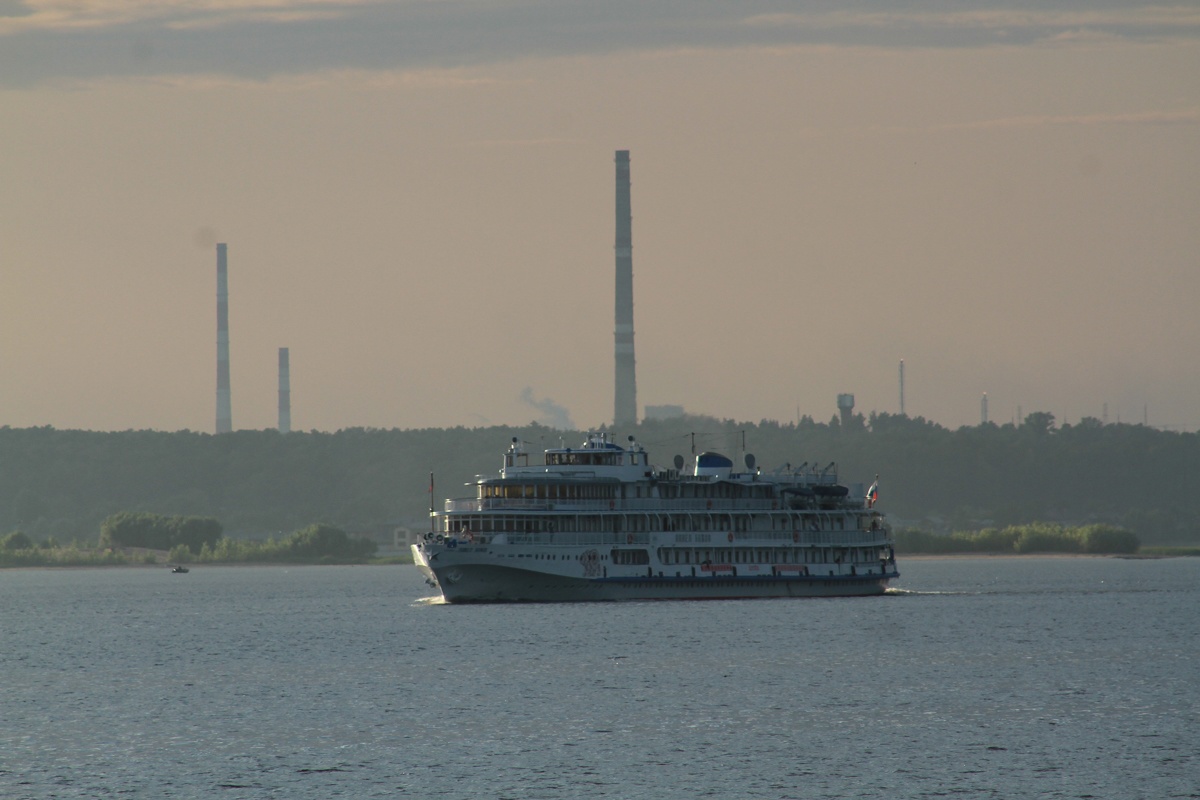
261	484
1038	537
158	532
130	538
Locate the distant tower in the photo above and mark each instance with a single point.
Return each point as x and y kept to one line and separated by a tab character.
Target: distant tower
902	387
625	401
983	410
846	408
285	392
224	412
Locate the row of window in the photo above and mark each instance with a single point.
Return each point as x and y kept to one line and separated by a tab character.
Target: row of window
600	491
547	491
773	555
595	459
635	523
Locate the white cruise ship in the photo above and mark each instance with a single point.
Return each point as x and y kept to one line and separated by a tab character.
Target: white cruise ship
599	522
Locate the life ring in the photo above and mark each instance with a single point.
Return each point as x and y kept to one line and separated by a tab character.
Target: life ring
629	538
730	537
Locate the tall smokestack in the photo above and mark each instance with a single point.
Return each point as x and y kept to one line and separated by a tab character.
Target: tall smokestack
224	413
285	392
625	402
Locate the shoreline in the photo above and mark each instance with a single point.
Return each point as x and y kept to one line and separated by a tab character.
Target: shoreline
385	562
1131	556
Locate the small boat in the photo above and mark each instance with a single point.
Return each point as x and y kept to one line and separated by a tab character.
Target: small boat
179	569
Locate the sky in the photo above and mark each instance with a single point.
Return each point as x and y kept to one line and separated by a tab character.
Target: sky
417	199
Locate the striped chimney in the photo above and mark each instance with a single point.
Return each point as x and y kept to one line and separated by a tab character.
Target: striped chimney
224	413
285	392
625	400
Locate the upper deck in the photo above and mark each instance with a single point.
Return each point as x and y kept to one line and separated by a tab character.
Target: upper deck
602	475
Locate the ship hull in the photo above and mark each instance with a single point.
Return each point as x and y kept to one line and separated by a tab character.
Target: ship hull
490	583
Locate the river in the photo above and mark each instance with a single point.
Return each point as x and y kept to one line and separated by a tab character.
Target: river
974	677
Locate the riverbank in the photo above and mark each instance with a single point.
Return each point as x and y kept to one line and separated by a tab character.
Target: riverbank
1159	552
78	558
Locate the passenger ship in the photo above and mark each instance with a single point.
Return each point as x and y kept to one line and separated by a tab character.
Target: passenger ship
600	523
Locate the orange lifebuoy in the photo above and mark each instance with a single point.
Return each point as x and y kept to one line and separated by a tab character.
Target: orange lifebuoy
731	536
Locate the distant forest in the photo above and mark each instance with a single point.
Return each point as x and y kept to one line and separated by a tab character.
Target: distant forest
65	483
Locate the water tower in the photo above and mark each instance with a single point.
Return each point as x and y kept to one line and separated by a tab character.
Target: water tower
846	408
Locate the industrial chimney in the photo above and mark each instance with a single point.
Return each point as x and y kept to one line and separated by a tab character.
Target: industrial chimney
224	412
625	402
285	392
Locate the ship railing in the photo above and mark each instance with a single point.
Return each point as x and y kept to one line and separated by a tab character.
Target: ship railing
575	538
692	538
851	538
643	504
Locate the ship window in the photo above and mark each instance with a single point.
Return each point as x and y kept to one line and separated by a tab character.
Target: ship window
638	557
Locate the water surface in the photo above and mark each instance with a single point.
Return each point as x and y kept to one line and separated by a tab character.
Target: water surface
990	677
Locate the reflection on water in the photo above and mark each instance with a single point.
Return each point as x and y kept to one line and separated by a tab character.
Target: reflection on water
996	677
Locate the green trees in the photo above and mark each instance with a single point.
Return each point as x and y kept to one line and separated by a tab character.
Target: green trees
16	541
1037	537
157	532
327	542
317	543
258	483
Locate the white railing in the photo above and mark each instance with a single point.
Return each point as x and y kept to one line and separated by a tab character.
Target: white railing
704	539
643	505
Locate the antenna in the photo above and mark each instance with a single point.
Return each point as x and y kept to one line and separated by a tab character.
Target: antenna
902	387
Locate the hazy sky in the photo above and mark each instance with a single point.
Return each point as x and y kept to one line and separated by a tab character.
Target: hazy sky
418	201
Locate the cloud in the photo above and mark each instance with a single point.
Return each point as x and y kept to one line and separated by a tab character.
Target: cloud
999	18
553	415
62	15
1190	116
258	39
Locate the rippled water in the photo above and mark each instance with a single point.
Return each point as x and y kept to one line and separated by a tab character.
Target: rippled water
1006	678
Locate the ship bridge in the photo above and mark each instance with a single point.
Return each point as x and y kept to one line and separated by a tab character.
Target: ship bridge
596	459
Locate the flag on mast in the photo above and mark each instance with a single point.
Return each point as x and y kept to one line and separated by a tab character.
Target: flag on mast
873	493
